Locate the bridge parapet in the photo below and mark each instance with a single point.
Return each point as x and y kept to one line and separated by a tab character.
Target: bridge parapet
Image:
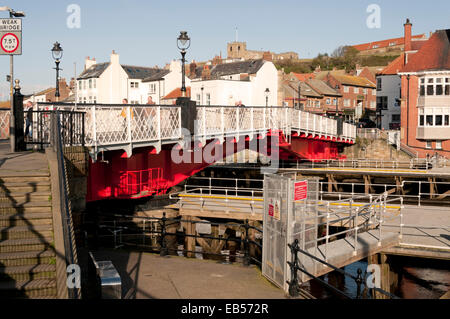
120	126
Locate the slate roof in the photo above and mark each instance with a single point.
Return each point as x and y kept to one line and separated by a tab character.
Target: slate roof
433	56
94	71
133	72
249	67
156	75
139	72
323	88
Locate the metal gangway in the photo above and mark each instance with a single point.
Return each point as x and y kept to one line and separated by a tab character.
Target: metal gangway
289	218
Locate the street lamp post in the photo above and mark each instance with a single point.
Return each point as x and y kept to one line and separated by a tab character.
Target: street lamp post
266	93
299	97
183	43
57	53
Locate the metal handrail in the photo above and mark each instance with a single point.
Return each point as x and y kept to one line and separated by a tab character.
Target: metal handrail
65	209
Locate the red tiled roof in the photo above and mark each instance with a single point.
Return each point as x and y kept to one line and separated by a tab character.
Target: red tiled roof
434	54
385	43
177	93
304	76
395	66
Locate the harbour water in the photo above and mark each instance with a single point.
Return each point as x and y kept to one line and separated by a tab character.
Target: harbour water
417	279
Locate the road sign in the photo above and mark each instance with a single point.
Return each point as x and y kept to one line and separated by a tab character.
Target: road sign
10	36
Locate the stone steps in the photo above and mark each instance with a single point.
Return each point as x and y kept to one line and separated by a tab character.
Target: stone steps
27	255
20	187
27	273
27	258
27	219
24	245
19	232
24	197
28	289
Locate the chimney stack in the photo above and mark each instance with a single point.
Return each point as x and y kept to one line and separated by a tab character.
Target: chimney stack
408	27
267	56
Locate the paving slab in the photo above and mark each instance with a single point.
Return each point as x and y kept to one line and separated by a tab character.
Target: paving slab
146	275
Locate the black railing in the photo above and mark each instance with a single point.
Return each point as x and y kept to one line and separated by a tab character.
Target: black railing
38	129
56	142
122	227
294	287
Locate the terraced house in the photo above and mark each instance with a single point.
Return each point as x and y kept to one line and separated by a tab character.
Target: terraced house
425	108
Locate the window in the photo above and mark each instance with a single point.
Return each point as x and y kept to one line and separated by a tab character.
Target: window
134	85
374	92
373	104
438	145
346	102
95	83
422	120
364	91
438	120
94	100
198	98
152	88
84	85
328	101
208	99
376	46
356	90
346	89
446	120
90	83
382	102
334	101
79	85
317	104
439	87
84	100
429	146
379	84
429	120
430	90
395	118
447	86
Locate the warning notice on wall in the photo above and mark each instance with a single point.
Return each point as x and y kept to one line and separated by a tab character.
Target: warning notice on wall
301	190
274	208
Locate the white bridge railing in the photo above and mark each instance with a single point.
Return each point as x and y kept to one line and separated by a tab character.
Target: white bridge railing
109	127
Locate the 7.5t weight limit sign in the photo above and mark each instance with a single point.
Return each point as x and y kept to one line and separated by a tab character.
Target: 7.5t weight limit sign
10	36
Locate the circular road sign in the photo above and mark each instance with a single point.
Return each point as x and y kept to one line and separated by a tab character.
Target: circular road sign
10	43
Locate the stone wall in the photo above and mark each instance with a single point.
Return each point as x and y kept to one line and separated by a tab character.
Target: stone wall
375	149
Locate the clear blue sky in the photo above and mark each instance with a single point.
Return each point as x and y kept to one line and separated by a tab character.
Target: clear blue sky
144	32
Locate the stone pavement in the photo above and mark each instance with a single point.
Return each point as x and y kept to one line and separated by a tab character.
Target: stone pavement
146	275
24	162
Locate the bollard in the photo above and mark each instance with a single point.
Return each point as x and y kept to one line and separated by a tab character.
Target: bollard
246	245
359	281
164	251
293	284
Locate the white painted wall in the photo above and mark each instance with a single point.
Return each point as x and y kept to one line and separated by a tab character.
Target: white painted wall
229	92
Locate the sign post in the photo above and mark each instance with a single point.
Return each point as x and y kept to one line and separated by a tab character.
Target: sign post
11	44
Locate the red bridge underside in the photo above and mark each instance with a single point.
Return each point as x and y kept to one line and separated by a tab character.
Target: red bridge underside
148	173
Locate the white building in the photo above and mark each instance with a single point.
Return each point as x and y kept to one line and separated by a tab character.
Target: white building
111	82
163	82
231	83
388	97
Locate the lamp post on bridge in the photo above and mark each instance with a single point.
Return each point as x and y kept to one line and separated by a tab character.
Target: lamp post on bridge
266	93
57	53
183	43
